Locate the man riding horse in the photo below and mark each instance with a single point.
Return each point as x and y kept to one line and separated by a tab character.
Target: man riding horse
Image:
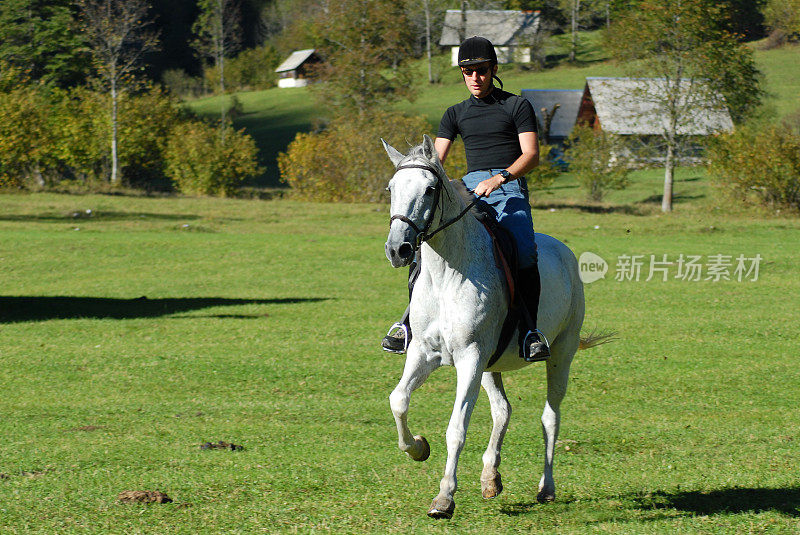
501	143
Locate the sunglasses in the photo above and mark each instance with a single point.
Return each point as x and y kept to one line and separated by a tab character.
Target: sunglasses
480	71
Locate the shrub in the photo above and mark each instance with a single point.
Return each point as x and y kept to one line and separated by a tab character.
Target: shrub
783	18
599	160
202	159
456	164
26	137
345	162
546	172
252	69
181	84
758	164
83	134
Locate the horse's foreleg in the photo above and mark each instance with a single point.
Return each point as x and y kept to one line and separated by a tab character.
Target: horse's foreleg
416	370
491	485
557	376
468	386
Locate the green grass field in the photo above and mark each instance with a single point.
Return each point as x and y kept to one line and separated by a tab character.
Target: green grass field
131	335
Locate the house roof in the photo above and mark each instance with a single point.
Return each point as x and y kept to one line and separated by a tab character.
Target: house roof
634	106
569	100
297	58
501	27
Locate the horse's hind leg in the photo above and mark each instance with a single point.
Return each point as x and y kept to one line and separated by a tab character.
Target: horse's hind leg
491	485
416	370
557	375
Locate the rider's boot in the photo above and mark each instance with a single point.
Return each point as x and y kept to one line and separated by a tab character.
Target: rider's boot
399	335
535	346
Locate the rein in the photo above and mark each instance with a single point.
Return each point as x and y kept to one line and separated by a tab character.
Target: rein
423	235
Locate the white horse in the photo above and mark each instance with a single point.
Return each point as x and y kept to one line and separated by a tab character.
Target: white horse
458	307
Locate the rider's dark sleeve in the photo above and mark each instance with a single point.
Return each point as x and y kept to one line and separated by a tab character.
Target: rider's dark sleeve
524	118
448	126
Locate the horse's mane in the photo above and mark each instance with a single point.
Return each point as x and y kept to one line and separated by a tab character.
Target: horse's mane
418	153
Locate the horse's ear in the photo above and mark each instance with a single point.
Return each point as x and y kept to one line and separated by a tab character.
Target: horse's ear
394	154
428	148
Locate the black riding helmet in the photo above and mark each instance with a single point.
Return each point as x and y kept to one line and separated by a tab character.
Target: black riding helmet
476	50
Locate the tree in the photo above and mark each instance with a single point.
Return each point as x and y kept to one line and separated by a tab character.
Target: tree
426	18
364	43
783	16
599	161
217	33
685	46
41	38
118	35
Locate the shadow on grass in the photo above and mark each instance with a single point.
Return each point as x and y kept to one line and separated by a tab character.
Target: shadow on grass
21	308
662	504
591	208
656	199
725	501
77	215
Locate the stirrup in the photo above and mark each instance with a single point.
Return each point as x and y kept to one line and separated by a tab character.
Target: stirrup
403	327
534	336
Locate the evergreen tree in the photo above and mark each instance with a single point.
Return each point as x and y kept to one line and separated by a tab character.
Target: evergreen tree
42	39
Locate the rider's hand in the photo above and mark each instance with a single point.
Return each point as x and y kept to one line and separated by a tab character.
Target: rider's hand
485	188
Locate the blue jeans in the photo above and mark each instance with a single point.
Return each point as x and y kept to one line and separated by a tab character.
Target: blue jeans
510	202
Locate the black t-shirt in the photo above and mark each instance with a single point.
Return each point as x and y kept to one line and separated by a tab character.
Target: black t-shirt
489	127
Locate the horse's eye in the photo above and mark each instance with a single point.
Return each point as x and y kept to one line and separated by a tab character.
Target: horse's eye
429	190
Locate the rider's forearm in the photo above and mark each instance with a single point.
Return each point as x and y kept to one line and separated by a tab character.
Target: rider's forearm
523	164
442	146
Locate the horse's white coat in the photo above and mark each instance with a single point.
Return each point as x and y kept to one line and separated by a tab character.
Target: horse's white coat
457	310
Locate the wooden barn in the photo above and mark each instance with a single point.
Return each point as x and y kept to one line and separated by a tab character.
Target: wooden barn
511	32
292	72
556	112
634	108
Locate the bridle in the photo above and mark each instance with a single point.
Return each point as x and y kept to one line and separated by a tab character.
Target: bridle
422	234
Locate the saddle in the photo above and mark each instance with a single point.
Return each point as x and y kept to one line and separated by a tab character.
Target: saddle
505	258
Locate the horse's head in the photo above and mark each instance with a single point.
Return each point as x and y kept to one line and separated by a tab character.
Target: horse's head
415	189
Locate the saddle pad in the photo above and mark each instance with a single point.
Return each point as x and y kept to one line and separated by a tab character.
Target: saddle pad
505	253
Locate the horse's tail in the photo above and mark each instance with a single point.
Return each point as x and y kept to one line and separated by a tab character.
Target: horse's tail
597	338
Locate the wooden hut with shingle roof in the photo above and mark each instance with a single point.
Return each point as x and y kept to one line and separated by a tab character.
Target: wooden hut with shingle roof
511	32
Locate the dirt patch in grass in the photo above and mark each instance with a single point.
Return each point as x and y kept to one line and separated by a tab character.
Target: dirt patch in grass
143	496
87	428
221	445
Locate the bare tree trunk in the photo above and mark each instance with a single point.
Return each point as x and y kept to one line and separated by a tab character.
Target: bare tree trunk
576	6
427	6
462	31
669	170
114	157
221	45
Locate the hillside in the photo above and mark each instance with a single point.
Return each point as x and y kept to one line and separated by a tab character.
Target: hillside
273	117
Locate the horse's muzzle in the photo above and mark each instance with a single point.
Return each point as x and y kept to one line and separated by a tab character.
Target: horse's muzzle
400	255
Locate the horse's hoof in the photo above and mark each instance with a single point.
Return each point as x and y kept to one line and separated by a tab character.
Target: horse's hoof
546	497
442	508
491	487
423	447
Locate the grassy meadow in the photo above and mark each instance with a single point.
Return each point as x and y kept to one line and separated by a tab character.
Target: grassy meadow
135	332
